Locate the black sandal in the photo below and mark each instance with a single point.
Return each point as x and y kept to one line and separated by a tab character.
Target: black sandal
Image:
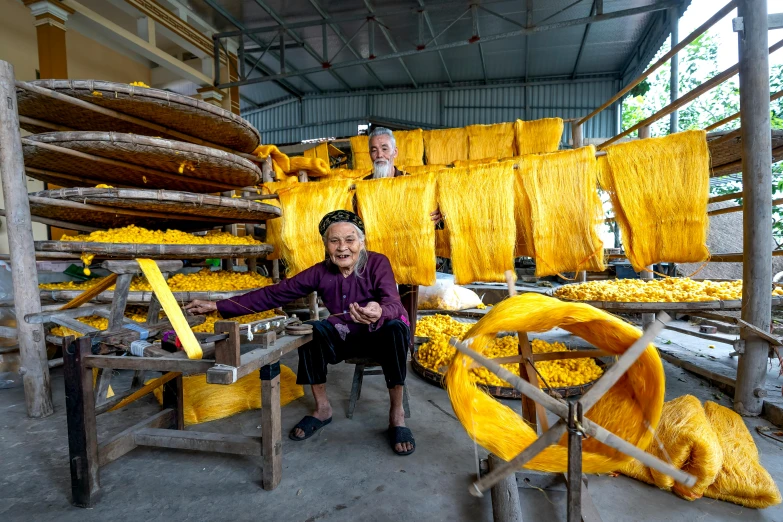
400	435
310	426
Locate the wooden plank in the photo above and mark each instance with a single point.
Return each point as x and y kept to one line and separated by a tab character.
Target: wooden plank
123	442
73	324
173	398
271	426
713	338
120	301
227	350
46	317
255	359
80	415
156	364
198	441
144	390
132	267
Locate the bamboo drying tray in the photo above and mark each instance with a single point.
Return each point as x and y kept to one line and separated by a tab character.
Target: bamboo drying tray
153	251
726	151
132	160
171	203
184	114
138	297
71	212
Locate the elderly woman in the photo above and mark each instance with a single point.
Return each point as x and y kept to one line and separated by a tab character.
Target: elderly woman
367	320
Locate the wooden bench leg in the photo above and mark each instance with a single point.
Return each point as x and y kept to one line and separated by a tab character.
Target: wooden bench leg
271	427
80	413
405	402
173	397
356	389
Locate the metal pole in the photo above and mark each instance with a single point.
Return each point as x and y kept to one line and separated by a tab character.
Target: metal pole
35	368
757	213
674	118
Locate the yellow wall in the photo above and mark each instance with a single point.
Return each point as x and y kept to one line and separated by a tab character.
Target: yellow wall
89	60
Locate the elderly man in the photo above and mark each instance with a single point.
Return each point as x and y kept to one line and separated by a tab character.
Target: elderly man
367	320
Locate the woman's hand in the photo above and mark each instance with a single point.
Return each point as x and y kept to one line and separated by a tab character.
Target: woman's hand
365	315
436	216
199	307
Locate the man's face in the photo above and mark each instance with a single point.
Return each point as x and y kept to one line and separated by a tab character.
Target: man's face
382	152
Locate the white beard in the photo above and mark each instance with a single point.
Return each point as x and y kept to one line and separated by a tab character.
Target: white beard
382	169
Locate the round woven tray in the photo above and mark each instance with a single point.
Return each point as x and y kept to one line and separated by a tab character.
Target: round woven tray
138	297
170	202
195	118
137	161
500	392
726	157
71	212
153	251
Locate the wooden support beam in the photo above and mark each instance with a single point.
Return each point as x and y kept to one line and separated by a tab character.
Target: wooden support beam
198	441
123	442
271	426
227	350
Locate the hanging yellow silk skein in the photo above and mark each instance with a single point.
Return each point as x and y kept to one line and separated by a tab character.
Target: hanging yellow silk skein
565	211
490	141
418	169
274	226
279	159
396	214
360	150
537	136
410	147
350	173
315	167
631	409
444	146
523	212
659	189
478	207
686	439
304	204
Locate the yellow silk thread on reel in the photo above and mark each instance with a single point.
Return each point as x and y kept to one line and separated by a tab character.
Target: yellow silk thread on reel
565	211
659	189
631	409
481	226
537	136
304	204
396	214
171	307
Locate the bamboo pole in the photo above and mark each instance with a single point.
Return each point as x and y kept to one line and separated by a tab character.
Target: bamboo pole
32	347
674	79
757	206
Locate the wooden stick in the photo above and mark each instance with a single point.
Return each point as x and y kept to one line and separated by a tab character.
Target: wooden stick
45	124
665	58
88	294
144	390
738	208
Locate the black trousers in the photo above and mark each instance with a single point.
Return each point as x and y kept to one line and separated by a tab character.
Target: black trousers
387	346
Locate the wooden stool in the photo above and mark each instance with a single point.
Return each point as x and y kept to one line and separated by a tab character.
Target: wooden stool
363	367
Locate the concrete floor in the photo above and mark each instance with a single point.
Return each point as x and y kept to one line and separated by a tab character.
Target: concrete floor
347	472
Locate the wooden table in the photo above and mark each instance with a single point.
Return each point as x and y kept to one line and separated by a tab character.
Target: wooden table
166	429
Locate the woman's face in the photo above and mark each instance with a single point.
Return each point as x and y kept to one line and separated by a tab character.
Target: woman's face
343	245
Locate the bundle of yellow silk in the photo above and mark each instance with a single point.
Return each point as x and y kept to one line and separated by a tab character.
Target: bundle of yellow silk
686	439
631	406
410	147
523	213
474	162
360	150
396	214
478	207
659	189
350	173
274	226
304	205
278	158
315	167
490	141
742	479
445	146
417	169
565	212
204	402
442	245
537	136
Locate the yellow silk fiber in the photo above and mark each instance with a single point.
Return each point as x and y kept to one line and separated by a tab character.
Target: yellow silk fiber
659	189
686	439
278	158
360	149
627	409
315	167
417	169
742	479
410	147
522	209
490	141
274	226
473	162
171	307
204	402
396	214
478	207
304	205
565	212
537	136
444	146
349	173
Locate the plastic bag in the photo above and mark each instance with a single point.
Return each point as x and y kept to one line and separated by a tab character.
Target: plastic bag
445	295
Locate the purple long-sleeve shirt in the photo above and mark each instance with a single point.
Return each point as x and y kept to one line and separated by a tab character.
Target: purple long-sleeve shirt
376	283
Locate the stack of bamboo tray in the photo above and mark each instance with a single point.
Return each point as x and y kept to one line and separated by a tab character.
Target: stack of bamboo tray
160	153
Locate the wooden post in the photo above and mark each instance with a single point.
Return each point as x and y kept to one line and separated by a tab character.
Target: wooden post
505	496
409	296
532	411
574	499
647	319
576	135
173	397
251	262
312	304
757	204
35	368
644	132
674	85
227	350
271	427
80	415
